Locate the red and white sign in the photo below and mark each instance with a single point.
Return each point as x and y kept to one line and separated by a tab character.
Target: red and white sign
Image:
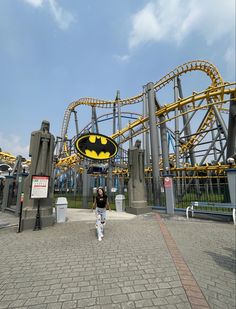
39	187
167	182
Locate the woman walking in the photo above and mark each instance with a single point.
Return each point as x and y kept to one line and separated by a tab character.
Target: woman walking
101	204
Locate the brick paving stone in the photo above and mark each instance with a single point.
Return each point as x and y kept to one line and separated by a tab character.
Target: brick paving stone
113	291
54	305
174	300
17	303
128	305
135	296
159	301
65	297
35	301
119	298
86	302
143	303
104	300
148	294
139	288
168	307
111	306
10	297
69	304
4	304
56	286
57	291
39	306
22	307
183	306
127	289
45	293
51	299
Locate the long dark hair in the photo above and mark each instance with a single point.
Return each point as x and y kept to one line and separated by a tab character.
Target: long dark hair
103	191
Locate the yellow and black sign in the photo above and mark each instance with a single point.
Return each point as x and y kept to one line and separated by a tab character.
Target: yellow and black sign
96	146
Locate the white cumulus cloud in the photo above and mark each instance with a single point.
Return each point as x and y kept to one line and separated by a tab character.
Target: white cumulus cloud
175	20
13	145
62	17
35	3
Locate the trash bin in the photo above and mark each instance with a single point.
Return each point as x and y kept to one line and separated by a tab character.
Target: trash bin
120	202
61	207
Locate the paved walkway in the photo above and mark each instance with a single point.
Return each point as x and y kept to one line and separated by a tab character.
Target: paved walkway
146	261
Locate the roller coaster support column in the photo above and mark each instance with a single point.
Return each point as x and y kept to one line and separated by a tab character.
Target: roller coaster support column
114	118
131	138
109	179
154	145
146	143
231	140
187	130
75	181
146	134
186	120
94	120
76	122
121	178
164	145
221	129
85	186
177	156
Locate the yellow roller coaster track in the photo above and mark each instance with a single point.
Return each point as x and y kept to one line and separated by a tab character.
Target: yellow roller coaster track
219	91
9	158
196	65
212	92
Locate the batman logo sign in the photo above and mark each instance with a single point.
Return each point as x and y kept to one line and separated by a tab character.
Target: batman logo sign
96	146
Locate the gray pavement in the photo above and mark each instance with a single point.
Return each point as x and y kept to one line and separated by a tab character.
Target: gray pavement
64	266
209	249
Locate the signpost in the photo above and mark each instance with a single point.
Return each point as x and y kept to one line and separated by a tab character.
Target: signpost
39	190
20	216
169	191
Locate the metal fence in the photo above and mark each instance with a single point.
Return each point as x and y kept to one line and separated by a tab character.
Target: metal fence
185	191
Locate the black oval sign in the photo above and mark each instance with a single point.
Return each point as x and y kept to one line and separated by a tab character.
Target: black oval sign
96	146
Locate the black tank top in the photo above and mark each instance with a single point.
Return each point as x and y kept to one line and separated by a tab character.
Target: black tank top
101	201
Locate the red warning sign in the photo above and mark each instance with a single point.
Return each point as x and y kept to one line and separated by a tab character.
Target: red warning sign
167	182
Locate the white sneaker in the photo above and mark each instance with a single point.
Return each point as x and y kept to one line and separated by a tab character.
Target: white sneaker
99	238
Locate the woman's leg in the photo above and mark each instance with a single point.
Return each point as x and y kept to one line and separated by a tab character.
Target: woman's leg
99	224
103	220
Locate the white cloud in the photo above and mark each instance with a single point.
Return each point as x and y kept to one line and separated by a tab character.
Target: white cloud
122	58
13	145
176	19
35	3
62	17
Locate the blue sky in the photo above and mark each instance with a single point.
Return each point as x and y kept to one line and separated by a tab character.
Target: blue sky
53	52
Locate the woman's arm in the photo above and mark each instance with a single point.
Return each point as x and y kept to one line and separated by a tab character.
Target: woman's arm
94	204
108	205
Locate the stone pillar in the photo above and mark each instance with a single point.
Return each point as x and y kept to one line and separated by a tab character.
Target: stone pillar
136	184
41	153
